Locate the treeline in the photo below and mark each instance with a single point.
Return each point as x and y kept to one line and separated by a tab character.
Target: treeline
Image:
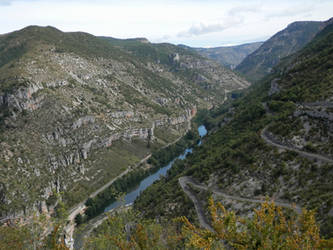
269	228
159	159
163	156
232	148
96	205
236	152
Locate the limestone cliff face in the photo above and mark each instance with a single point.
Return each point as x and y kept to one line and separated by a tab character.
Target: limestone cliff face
77	110
23	99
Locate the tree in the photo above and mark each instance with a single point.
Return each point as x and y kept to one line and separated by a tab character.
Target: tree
14	237
78	219
127	230
269	228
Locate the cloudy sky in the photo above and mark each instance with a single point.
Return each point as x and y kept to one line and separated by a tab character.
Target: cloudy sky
203	23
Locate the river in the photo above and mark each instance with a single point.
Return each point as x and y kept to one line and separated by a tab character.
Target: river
145	183
132	195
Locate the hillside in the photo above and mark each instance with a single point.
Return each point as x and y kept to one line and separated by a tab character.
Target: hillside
229	56
77	110
286	42
274	141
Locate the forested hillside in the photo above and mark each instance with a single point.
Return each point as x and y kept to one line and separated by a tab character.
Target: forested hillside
78	111
274	140
286	42
270	142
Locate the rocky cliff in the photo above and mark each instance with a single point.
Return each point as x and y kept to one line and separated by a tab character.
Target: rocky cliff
76	110
274	141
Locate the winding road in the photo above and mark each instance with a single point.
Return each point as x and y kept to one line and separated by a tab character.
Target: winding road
269	139
188	180
81	206
183	181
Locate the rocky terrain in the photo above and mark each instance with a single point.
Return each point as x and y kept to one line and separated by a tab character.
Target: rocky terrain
229	56
275	141
77	110
284	43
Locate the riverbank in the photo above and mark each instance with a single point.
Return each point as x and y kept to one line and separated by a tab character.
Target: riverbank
130	197
81	207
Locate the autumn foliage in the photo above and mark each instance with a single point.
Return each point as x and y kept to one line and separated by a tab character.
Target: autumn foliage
269	228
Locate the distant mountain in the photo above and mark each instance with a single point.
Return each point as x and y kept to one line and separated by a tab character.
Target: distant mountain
76	110
229	56
275	141
283	43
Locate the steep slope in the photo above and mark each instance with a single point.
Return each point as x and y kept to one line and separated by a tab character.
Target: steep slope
229	56
77	110
283	43
184	63
275	141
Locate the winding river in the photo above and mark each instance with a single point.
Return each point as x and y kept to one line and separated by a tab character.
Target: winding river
131	196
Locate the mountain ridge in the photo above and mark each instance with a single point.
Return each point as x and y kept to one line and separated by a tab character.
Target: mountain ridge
229	56
77	110
285	42
274	140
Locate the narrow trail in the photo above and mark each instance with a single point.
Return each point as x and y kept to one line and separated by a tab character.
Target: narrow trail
101	189
70	227
86	231
268	138
74	211
98	220
185	180
198	207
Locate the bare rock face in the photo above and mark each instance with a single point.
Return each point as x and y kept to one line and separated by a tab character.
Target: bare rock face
23	98
70	113
275	88
322	114
83	121
86	148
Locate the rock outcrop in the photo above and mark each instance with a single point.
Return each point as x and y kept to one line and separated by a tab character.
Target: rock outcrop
66	102
23	99
275	88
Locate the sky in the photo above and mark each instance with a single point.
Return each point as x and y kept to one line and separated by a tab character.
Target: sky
196	23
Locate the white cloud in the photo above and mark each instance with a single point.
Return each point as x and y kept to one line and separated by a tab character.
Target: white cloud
255	8
192	22
201	29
